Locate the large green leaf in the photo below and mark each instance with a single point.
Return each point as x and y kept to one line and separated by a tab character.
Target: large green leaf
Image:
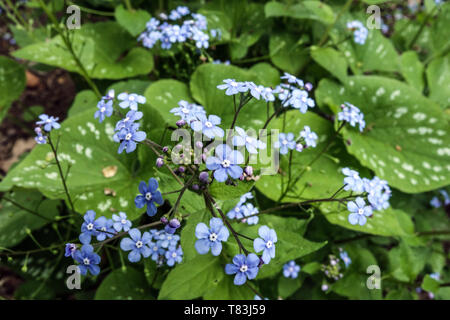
405	262
330	59
192	279
225	289
438	76
124	285
101	48
412	69
12	83
132	20
311	10
406	140
87	147
287	53
14	220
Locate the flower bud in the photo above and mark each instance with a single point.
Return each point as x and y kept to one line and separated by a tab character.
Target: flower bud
249	170
195	187
164	220
159	162
181	169
308	86
180	123
203	177
165	149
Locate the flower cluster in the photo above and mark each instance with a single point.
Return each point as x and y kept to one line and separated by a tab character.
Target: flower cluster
436	203
377	191
333	269
287	141
352	115
48	123
360	32
184	27
160	246
244	209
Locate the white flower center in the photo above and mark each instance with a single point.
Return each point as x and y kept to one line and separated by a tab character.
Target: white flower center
284	142
208	124
139	244
128	136
103	229
185	110
123	221
86	261
226	163
233	83
213	237
291	269
126	119
269	244
243	268
361	211
90	226
237	209
248	139
148	196
174	255
102	109
40	138
131	98
48	120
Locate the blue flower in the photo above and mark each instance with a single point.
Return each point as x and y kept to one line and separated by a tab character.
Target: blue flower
352	115
291	270
105	109
249	211
309	137
88	260
211	238
251	143
188	111
49	123
174	15
208	126
166	240
183	10
129	119
360	32
156	251
121	222
201	39
225	163
138	245
352	181
232	87
130	100
299	100
105	228
359	211
266	243
70	250
40	139
436	276
255	90
435	203
292	79
285	142
128	136
378	191
243	267
344	256
268	94
172	226
237	212
89	227
174	255
149	195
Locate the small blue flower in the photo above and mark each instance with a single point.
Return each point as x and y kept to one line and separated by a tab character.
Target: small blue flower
243	267
268	94
251	143
149	196
225	163
88	260
436	276
105	109
156	251
266	243
208	126
121	222
299	100
128	136
352	115
378	191
40	139
172	226
138	245
232	87
309	137
256	91
360	32
174	255
70	250
166	240
245	197
188	111
201	39
105	228
49	123
130	100
435	203
285	142
237	212
250	210
89	227
183	10
129	119
211	238
292	79
359	211
344	256
291	270
352	181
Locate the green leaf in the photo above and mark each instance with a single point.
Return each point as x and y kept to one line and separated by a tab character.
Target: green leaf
204	84
218	20
225	289
133	21
84	100
192	279
311	10
101	49
438	77
430	284
120	285
286	53
354	286
412	69
222	191
333	61
288	286
87	147
12	83
269	76
188	237
14	221
406	262
406	137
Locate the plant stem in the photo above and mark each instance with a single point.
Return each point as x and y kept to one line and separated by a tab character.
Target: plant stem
26	209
